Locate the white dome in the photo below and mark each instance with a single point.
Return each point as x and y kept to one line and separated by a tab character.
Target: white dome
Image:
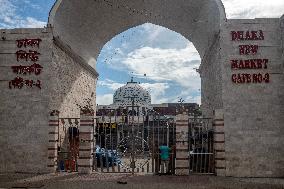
124	95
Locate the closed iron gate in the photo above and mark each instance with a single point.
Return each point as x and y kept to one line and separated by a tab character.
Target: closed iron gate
201	140
127	141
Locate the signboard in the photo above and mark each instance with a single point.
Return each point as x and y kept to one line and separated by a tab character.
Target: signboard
27	55
246	63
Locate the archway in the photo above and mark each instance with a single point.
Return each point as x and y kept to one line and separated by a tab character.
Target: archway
87	26
159	64
162	61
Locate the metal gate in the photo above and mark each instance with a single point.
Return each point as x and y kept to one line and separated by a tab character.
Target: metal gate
129	141
201	140
68	144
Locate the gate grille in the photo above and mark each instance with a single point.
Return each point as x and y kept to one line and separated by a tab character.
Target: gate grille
68	144
201	140
130	143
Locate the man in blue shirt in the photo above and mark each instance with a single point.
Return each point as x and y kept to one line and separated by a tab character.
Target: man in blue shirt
165	156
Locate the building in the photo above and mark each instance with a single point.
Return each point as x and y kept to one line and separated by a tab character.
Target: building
128	98
133	98
172	109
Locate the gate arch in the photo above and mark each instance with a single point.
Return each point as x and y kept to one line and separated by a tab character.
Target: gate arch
197	20
86	26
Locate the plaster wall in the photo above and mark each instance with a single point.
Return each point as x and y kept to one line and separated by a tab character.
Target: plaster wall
210	72
74	83
24	113
254	113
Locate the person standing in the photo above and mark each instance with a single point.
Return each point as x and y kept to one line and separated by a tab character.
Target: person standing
165	156
73	148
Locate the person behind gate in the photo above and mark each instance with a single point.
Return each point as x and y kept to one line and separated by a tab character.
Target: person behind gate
73	149
165	156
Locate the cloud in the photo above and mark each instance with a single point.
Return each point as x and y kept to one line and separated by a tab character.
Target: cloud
193	99
153	31
10	19
175	65
187	94
250	9
110	84
157	91
105	99
30	22
169	68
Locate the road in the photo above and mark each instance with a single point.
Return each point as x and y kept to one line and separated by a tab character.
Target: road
127	181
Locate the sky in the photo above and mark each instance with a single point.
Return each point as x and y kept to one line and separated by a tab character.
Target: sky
163	61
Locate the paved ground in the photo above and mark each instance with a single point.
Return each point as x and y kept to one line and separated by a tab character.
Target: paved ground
110	181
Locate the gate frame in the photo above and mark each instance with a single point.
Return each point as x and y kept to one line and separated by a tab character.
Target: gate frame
151	122
86	137
211	154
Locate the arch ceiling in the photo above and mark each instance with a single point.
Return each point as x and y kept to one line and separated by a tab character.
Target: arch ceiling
86	25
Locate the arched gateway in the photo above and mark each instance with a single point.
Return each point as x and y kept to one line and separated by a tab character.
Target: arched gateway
241	72
87	26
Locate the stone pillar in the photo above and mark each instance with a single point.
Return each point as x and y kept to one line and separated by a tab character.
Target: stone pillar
86	137
219	143
182	151
53	127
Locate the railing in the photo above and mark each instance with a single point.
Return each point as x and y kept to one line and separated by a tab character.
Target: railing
131	144
201	140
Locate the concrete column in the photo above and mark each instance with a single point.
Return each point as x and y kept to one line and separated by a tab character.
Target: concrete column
219	143
53	127
86	137
182	151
